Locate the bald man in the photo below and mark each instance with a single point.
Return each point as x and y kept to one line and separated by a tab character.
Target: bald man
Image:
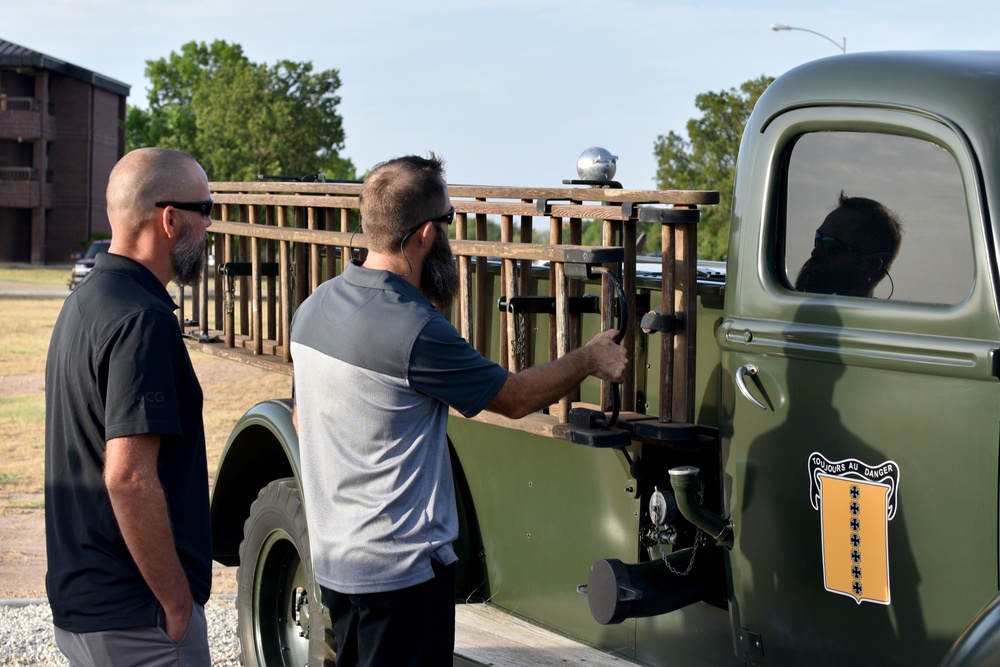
126	480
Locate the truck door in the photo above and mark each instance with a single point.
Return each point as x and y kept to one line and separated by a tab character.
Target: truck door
860	404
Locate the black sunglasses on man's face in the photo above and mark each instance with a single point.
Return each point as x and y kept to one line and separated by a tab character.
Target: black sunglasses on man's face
203	207
446	219
830	243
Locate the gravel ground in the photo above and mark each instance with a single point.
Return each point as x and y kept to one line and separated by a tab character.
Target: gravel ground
26	634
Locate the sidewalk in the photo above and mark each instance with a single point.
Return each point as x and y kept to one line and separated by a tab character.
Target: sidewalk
10	288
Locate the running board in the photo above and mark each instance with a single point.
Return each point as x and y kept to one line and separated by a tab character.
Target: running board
488	635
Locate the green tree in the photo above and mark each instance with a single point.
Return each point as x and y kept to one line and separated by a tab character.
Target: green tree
239	118
706	160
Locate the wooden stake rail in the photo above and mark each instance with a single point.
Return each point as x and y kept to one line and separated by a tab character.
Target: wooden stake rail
279	241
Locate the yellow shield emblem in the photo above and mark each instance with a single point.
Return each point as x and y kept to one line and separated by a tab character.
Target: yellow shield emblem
856	502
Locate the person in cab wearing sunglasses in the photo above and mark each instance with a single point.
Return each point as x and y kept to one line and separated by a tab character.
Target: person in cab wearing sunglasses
377	367
853	250
127	523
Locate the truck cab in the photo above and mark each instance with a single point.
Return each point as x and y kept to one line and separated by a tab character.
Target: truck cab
860	433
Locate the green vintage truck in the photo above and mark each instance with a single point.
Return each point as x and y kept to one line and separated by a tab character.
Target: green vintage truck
797	473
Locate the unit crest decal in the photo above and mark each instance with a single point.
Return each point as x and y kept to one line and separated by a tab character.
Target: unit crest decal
856	502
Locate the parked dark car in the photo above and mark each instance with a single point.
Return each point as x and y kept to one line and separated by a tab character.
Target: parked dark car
85	263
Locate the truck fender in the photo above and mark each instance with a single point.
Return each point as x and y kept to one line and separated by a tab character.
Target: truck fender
262	447
979	643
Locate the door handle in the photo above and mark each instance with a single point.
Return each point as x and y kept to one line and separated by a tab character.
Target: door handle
745	370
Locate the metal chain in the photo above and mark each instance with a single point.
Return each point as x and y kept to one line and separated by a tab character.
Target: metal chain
229	295
699	541
520	338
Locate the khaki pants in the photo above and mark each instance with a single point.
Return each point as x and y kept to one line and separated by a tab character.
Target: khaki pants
138	647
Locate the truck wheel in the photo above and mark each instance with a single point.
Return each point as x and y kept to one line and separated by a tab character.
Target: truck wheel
281	620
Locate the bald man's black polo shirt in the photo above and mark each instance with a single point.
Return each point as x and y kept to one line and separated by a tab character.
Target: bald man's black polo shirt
117	366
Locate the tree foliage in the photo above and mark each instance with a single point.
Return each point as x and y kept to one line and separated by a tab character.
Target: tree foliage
706	160
240	119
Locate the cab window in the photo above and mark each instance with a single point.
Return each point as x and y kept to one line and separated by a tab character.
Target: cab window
872	215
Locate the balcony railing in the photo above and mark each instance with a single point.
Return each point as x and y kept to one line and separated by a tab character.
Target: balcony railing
18	104
18	174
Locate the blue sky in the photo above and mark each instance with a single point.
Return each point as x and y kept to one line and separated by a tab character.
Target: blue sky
509	92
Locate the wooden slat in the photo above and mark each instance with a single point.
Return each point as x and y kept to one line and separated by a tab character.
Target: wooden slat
459	247
629	284
229	319
555	238
598	212
685	197
301	257
686	290
244	281
525	287
507	333
270	281
286	200
285	287
464	301
618	196
345	250
256	325
667	309
286	187
315	276
481	280
562	330
607	312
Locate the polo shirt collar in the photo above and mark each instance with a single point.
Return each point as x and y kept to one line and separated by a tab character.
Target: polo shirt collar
358	275
127	266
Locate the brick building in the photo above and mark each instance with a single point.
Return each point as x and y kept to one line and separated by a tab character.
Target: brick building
61	132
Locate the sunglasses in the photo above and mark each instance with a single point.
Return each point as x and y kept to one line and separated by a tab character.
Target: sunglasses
831	243
447	219
203	207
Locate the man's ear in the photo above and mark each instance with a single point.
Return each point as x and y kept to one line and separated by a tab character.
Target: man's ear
167	221
873	267
425	235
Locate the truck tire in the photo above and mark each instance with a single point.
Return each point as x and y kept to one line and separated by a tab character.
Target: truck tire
281	620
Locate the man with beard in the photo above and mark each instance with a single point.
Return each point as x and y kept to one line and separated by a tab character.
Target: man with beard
853	250
376	369
126	480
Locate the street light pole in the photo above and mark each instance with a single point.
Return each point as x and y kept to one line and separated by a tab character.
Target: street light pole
841	45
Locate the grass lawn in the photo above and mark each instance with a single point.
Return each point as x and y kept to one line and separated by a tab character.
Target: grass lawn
37	276
230	389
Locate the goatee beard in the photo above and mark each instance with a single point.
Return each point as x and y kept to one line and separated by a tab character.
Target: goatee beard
439	275
188	258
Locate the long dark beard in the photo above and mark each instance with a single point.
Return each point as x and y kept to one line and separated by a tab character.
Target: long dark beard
439	276
188	258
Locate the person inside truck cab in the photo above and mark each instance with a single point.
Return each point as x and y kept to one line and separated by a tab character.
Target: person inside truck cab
377	368
853	249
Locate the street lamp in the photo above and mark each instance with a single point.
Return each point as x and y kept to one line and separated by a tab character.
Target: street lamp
842	45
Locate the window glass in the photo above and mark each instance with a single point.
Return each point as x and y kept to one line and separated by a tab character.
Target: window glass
848	192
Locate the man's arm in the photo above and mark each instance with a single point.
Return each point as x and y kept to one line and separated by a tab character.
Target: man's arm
140	507
540	386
